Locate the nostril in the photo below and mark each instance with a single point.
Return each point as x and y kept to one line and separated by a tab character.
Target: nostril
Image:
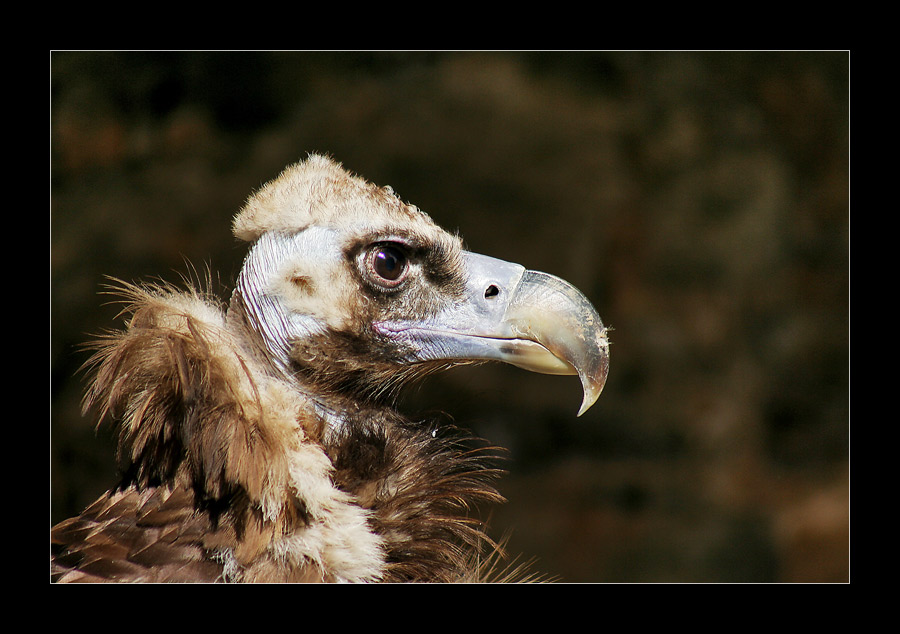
491	291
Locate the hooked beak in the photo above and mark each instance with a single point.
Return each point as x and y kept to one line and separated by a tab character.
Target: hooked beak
530	319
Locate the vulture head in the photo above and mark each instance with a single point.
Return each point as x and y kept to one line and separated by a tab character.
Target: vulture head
258	441
352	292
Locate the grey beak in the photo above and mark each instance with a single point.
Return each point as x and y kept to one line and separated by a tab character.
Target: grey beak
529	319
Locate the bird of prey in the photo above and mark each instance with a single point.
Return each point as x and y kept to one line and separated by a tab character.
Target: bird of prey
258	438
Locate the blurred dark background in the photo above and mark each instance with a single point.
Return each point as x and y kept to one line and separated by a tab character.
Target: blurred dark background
700	200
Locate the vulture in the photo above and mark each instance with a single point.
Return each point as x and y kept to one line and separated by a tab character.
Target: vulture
259	437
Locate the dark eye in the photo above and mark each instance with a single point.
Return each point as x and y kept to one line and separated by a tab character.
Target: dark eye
387	265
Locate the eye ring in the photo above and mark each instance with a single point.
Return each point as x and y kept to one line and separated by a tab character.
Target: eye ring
387	265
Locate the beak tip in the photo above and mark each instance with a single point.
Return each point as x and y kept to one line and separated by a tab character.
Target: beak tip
593	382
590	397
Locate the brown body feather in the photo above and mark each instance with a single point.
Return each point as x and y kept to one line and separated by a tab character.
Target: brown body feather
228	476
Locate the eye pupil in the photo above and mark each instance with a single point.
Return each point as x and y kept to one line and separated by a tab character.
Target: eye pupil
389	263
